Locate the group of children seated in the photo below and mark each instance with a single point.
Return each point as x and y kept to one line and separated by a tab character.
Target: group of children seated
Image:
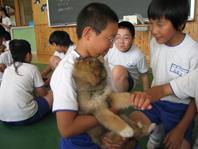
170	102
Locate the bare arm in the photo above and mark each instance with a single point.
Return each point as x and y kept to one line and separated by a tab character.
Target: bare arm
69	123
160	91
145	81
188	116
46	71
143	100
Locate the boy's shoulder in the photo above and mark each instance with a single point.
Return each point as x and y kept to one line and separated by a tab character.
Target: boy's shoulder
68	60
30	66
190	41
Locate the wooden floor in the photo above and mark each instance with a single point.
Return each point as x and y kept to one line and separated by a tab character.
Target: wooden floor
41	59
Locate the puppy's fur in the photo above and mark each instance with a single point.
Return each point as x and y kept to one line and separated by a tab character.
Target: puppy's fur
94	97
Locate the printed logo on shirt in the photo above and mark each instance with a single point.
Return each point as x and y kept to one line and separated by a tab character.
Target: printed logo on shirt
178	70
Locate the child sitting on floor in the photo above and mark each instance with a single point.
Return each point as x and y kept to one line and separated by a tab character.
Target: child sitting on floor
126	61
62	44
21	81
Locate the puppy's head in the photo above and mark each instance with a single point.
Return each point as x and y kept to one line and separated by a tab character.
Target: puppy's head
89	70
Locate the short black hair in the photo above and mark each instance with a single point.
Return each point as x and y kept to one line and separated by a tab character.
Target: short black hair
95	15
60	38
2	31
19	48
177	11
6	36
129	26
5	11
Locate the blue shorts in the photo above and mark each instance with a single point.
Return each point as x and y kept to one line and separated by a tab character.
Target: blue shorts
81	141
169	114
43	109
130	82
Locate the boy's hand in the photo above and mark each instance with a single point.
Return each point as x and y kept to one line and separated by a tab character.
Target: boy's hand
140	100
174	138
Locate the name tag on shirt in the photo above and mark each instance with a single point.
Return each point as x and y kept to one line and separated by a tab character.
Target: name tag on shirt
178	70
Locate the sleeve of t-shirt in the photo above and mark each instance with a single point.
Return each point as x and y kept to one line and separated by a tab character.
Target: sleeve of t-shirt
185	86
37	79
63	87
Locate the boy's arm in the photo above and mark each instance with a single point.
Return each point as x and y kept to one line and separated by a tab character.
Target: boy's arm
175	137
70	123
160	91
143	100
145	81
46	71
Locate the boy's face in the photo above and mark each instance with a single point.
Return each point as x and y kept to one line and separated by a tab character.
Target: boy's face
123	40
99	44
163	31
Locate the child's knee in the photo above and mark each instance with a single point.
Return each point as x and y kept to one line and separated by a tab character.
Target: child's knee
119	73
49	98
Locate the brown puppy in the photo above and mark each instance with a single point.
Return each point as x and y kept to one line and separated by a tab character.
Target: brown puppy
94	97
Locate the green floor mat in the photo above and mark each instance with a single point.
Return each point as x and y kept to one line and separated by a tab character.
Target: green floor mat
41	135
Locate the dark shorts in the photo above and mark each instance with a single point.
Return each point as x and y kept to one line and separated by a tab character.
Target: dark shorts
169	114
130	82
43	109
81	141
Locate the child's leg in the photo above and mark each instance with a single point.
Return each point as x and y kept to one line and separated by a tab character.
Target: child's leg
120	77
49	98
54	61
156	137
171	116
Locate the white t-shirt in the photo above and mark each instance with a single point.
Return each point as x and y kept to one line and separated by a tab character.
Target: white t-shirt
186	86
6	43
5	58
63	85
61	55
133	60
16	92
169	63
7	21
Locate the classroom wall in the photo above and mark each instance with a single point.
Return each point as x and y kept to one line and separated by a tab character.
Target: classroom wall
27	33
42	31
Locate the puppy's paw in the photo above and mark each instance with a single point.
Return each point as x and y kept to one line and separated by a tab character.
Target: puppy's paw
151	127
126	132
